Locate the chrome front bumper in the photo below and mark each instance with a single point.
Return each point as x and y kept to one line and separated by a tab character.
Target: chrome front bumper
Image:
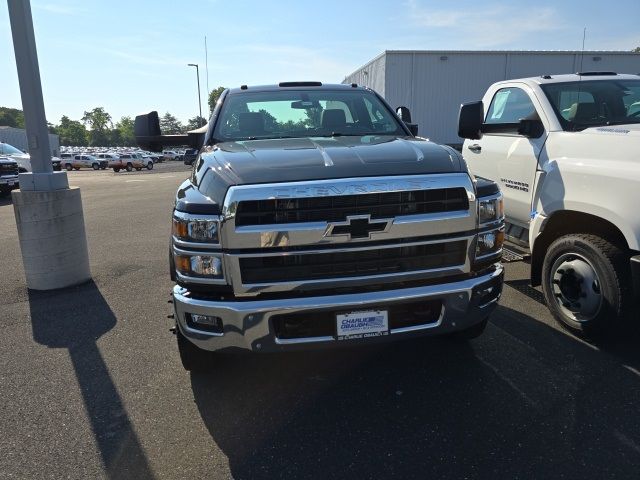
247	324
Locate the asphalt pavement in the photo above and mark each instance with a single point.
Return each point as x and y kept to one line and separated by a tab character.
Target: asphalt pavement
91	385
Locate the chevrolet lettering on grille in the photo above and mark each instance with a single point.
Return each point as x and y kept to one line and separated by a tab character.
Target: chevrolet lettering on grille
358	226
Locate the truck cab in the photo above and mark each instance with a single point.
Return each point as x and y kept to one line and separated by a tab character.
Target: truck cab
564	151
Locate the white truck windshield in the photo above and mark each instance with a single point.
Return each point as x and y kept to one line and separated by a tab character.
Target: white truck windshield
591	103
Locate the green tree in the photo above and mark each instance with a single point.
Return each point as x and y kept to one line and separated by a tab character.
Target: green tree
195	122
124	136
170	125
213	97
100	124
636	50
11	117
72	132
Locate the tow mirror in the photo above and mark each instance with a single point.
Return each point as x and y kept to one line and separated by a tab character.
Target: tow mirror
149	136
470	120
531	128
405	115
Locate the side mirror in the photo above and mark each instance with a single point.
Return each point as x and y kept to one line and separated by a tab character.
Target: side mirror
531	128
405	115
470	120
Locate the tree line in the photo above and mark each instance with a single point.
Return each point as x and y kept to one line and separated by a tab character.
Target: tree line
96	128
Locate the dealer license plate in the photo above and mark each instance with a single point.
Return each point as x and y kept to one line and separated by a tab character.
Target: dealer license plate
372	323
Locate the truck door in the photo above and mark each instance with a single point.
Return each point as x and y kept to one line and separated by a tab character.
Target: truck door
505	156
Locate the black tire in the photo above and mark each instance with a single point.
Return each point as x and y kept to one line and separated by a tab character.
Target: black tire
472	332
138	169
4	192
116	170
129	167
585	280
95	166
150	166
193	359
68	167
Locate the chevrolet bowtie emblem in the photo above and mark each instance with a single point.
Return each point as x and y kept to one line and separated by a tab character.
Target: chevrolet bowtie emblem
358	226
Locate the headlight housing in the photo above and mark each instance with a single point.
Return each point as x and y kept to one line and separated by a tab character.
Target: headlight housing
201	265
189	228
490	209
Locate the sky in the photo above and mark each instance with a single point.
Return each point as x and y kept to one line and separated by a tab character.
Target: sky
131	56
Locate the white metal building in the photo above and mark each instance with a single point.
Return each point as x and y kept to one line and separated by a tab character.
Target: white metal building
17	137
433	83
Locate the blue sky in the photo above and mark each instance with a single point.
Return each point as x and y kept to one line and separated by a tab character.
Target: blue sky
132	56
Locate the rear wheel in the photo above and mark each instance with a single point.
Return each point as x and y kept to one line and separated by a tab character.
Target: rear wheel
193	359
95	166
129	167
68	166
585	280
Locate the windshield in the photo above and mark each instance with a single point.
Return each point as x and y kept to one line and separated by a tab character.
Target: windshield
591	103
11	150
304	113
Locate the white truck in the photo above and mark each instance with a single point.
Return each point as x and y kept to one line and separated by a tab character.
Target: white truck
565	151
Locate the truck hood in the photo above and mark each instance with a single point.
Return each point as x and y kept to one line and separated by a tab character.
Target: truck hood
319	158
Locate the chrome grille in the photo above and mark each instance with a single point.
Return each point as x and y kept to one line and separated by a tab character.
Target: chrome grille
374	261
338	208
8	168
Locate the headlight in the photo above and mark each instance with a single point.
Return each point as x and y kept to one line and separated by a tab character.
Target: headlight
209	266
196	228
490	210
489	242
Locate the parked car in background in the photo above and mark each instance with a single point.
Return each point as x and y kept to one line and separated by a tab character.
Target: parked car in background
169	154
129	161
111	158
84	161
8	176
564	150
22	159
189	156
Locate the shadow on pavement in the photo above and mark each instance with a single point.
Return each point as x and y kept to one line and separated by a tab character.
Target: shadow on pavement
431	408
78	330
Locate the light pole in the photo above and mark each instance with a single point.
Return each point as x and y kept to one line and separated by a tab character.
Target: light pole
48	213
198	78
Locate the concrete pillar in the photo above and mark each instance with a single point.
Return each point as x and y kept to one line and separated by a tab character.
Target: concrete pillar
48	213
52	238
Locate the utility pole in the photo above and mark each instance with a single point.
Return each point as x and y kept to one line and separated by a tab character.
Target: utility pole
48	213
198	80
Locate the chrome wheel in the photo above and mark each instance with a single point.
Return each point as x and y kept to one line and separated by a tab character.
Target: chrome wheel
576	287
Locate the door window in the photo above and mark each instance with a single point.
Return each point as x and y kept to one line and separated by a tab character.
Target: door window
509	106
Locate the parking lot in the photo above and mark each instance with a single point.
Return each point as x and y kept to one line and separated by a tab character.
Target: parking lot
92	386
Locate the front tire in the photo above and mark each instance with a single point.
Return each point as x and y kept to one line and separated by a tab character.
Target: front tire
585	281
95	166
193	359
129	167
68	167
150	166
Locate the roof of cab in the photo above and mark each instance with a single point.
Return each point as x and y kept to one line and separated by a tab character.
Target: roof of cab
295	86
574	77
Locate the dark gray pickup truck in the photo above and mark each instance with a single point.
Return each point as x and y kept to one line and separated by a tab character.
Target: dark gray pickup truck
314	217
